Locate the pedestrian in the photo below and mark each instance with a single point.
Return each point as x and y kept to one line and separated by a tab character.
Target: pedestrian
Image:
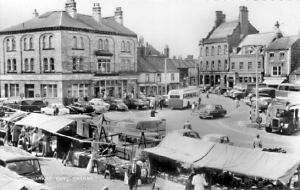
15	131
153	112
193	108
68	158
7	138
237	103
207	94
257	142
199	102
187	125
199	181
56	110
134	173
35	141
161	103
22	140
189	185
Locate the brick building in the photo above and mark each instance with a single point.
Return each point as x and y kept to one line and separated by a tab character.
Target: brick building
217	46
66	54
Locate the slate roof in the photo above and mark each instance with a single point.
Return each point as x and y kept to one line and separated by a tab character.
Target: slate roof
224	29
144	67
282	43
179	63
258	39
56	19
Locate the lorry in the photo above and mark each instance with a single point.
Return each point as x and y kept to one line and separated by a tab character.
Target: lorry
283	116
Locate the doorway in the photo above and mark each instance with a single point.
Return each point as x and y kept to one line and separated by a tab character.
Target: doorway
29	90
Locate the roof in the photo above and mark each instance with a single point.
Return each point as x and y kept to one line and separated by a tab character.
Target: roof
258	39
224	29
61	19
180	63
159	64
282	43
144	66
10	153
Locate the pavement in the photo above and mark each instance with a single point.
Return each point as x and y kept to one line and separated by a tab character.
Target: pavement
236	124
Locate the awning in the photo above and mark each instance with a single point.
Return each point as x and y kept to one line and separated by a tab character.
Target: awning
14	116
180	148
273	81
251	162
119	116
55	124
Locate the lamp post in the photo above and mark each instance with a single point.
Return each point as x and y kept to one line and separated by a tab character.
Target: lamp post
166	85
256	87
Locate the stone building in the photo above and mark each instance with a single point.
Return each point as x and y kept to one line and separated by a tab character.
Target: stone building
282	59
215	49
66	54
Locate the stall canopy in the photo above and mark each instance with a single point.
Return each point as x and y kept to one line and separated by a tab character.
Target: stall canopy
251	162
274	81
49	123
15	116
119	116
180	148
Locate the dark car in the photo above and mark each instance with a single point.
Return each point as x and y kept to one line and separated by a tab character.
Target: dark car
116	104
136	103
211	111
31	105
80	108
113	167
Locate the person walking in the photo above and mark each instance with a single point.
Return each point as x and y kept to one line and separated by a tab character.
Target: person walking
199	181
134	173
207	94
161	103
199	102
257	143
187	125
15	131
193	108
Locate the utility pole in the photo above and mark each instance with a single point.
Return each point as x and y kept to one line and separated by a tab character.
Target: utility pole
256	85
166	85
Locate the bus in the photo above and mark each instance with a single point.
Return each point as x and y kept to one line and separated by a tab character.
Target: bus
287	90
183	98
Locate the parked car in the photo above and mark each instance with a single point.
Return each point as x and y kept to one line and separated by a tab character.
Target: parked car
237	94
211	111
136	103
100	106
31	105
113	166
49	110
80	108
116	104
218	138
263	102
188	133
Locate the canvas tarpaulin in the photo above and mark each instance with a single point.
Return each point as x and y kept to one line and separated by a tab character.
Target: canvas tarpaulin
15	116
180	148
119	116
251	162
55	124
33	120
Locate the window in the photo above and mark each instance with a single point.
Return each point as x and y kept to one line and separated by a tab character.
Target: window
147	78
14	90
104	65
281	55
225	50
80	90
77	63
44	42
7	44
30	43
50	41
212	50
81	43
241	65
74	61
219	65
207	65
249	65
201	65
158	77
26	65
13	44
241	79
9	68
123	46
271	56
100	44
225	64
25	44
276	70
212	65
52	65
259	65
206	51
106	45
200	52
45	63
232	65
219	50
74	42
172	77
14	66
31	64
128	47
49	90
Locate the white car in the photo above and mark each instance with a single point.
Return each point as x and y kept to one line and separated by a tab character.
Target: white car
49	110
99	105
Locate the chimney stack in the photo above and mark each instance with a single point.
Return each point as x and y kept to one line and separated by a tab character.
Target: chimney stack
97	12
277	30
35	13
119	15
220	18
167	51
243	19
70	8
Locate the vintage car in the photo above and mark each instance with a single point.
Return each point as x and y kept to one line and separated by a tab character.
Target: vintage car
49	110
113	167
30	105
116	104
136	103
80	108
218	138
211	111
187	133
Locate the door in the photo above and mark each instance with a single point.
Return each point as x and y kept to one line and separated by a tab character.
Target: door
29	90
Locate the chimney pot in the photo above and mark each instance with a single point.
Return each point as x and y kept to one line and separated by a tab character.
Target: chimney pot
70	8
35	13
97	12
119	15
243	19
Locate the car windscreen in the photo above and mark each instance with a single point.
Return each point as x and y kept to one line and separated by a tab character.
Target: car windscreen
24	167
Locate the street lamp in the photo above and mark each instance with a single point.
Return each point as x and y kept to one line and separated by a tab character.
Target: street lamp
166	76
256	87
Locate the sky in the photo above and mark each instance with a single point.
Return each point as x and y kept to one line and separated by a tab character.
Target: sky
180	24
